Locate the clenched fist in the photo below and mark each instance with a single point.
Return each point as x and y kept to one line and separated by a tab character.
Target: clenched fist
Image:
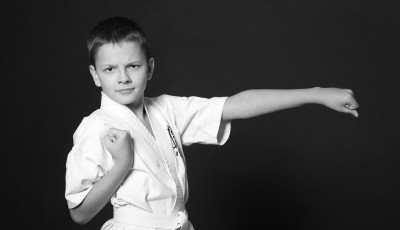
120	144
341	100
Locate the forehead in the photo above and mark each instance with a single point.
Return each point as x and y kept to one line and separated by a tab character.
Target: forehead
114	53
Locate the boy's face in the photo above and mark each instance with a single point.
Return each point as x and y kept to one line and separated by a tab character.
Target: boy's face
122	71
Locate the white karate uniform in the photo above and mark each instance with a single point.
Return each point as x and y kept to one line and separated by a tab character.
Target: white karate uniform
154	193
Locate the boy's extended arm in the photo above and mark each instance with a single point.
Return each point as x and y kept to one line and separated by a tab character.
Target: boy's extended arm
120	145
251	103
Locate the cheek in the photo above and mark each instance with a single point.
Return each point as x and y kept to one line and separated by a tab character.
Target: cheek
106	81
140	78
143	82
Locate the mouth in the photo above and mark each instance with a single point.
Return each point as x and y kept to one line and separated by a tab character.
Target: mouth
125	91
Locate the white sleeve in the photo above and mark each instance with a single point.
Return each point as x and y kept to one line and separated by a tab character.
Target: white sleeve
199	120
86	164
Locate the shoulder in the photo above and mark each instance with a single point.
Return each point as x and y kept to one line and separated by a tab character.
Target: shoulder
170	107
87	141
90	126
166	102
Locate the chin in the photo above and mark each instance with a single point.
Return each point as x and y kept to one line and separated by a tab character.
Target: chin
126	101
129	100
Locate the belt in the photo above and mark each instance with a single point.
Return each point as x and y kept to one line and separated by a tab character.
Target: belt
128	215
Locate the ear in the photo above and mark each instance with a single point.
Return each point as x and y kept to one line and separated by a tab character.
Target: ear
94	75
150	68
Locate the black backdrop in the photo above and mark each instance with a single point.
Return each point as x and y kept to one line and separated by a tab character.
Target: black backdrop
303	168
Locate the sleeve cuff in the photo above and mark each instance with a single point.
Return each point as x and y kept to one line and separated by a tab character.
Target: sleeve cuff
223	128
223	132
75	199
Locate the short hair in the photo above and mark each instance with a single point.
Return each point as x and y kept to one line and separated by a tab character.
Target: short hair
115	30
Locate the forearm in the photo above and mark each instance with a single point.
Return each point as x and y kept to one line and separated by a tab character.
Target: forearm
99	195
251	103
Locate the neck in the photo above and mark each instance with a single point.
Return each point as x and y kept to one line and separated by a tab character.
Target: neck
138	109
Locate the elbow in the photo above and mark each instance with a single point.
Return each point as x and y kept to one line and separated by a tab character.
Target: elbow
80	221
78	217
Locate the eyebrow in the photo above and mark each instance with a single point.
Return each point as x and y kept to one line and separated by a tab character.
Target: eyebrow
129	63
134	62
107	66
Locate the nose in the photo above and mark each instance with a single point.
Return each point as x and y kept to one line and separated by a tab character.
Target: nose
124	78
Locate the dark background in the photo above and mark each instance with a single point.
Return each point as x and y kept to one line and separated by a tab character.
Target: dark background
303	168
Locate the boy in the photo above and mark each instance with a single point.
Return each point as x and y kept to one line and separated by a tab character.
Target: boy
130	150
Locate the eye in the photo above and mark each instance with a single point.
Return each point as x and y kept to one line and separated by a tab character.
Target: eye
108	69
133	66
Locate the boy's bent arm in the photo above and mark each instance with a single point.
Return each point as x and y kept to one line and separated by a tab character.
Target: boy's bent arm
100	194
120	145
251	103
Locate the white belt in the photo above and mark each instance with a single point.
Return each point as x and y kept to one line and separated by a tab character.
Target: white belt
150	220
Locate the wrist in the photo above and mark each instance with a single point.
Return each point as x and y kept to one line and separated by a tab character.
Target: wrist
123	164
316	95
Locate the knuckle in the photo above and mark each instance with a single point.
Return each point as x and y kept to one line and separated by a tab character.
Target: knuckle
349	97
114	130
125	133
